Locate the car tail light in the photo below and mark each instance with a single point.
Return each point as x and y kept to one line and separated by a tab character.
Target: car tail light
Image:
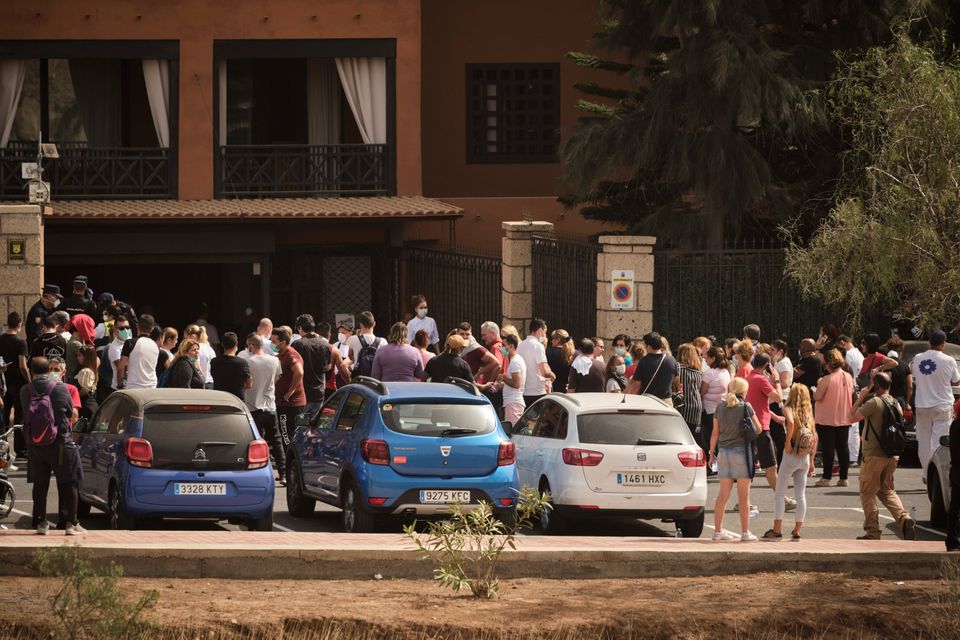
139	452
507	454
505	502
582	457
377	502
589	506
375	451
258	454
692	508
692	458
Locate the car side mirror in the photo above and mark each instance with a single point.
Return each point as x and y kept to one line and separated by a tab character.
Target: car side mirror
945	441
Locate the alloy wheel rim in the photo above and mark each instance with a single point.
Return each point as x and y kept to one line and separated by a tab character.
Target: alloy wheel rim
545	515
348	511
114	508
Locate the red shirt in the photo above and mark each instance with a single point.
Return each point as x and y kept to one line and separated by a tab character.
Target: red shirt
289	358
758	395
74	397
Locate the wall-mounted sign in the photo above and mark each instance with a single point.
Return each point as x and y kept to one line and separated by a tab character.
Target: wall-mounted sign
16	249
621	289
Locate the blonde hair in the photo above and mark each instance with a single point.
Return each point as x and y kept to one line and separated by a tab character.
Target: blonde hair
745	350
688	356
666	346
736	391
398	334
185	347
509	329
566	344
833	360
765	348
701	343
799	403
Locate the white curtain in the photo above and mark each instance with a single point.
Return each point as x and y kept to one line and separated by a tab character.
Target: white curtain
12	73
364	82
323	102
156	75
222	73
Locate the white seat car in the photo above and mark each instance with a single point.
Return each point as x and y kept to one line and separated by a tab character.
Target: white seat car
607	455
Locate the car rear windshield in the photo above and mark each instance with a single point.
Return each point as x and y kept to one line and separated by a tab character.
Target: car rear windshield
625	427
198	439
438	420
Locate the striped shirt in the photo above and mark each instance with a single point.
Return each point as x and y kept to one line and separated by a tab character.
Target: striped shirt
690	380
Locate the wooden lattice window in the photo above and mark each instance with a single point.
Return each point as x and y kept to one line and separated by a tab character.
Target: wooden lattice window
513	112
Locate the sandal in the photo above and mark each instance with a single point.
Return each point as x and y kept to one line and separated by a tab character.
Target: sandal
772	535
794	535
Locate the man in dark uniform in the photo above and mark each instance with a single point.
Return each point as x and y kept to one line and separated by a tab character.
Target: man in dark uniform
79	302
49	300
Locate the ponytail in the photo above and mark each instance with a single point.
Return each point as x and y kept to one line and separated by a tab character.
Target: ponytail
732	400
736	391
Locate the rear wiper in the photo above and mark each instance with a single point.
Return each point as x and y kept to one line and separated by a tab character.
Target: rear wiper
216	443
456	431
649	441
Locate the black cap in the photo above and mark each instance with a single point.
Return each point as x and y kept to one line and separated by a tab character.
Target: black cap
82	279
52	289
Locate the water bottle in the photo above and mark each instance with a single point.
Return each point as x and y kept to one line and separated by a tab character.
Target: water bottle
713	466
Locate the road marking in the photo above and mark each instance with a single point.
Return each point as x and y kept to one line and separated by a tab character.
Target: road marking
23	513
283	528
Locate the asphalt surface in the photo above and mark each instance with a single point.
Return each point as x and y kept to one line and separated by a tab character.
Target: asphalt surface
832	513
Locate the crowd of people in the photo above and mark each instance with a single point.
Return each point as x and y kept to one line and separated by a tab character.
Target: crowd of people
836	397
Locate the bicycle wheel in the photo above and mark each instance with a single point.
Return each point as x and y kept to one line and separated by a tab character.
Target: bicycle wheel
7	497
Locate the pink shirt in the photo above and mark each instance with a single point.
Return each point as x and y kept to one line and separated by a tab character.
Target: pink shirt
758	395
833	410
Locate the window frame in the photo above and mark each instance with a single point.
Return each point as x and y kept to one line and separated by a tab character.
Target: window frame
471	133
351	412
563	421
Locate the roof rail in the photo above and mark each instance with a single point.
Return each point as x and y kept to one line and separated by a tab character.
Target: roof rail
567	396
466	385
371	383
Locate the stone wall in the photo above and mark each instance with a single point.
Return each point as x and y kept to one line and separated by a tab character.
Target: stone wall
517	298
632	253
20	280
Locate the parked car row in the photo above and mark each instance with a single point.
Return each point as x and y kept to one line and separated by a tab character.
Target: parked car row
392	450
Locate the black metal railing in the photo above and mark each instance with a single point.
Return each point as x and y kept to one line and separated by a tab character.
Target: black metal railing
91	172
459	284
565	284
303	170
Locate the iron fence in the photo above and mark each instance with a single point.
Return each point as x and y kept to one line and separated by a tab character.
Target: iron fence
718	292
303	170
565	284
459	284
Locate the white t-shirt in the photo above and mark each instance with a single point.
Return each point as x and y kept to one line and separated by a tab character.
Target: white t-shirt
533	355
264	370
717	382
854	360
785	366
354	343
427	324
142	364
933	373
511	395
206	355
113	355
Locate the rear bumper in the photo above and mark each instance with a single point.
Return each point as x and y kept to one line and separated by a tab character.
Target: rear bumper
402	493
642	514
149	493
576	494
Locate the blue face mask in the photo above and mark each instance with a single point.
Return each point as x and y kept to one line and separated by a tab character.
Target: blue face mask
505	352
125	334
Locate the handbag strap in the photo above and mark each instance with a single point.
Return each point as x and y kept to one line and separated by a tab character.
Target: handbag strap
663	357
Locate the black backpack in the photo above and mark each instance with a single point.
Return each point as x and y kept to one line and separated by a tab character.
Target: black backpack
364	364
892	436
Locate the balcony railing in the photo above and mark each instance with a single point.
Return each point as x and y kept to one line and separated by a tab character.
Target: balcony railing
303	170
83	172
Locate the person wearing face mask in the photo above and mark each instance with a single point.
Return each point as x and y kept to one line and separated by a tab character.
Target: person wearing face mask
49	300
49	344
540	376
587	373
483	364
513	380
185	370
57	372
121	332
448	364
621	347
560	355
422	322
616	375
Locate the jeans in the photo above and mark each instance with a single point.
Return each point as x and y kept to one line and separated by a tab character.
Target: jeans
932	422
835	442
54	459
796	467
876	481
267	426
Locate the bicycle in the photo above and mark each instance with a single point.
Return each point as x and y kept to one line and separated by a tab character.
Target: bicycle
8	495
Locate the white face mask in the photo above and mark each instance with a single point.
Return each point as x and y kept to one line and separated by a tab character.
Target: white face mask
343	337
54	375
422	313
56	303
620	369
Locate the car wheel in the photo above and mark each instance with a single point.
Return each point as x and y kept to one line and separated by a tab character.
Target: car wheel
938	512
261	524
117	519
356	517
83	508
691	528
8	497
298	504
508	517
550	521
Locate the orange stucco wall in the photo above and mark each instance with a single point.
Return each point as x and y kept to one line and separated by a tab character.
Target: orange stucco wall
197	23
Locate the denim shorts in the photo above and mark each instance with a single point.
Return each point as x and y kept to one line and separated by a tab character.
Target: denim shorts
732	463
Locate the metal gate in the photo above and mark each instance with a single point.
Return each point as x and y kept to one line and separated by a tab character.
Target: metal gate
459	284
565	284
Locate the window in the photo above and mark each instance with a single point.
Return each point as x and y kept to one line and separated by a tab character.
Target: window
439	420
324	418
513	113
103	418
528	421
211	440
633	428
352	410
553	423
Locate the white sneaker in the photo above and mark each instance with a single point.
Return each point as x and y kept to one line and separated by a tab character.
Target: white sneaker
43	528
721	536
789	503
74	530
746	536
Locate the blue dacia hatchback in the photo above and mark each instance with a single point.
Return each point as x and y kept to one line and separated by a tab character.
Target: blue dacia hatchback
402	449
175	453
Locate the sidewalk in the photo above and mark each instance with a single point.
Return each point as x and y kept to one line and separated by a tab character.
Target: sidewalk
250	555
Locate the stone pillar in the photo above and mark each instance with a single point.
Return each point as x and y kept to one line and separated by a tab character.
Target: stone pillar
21	258
517	293
632	253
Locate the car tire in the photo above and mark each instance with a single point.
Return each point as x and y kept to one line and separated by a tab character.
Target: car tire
83	508
938	512
298	504
691	528
261	524
357	518
116	518
550	522
508	517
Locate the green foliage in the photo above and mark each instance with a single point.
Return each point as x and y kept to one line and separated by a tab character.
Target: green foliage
90	604
893	237
467	545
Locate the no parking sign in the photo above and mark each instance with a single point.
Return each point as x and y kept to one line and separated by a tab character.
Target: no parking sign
621	289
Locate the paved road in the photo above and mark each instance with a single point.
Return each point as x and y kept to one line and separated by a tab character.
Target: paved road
832	513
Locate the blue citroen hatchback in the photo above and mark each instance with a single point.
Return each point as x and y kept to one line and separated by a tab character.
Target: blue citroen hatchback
402	449
175	453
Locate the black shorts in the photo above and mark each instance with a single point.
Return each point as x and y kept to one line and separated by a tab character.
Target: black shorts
766	454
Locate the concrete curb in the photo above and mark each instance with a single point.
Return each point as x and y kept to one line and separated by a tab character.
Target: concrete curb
553	560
